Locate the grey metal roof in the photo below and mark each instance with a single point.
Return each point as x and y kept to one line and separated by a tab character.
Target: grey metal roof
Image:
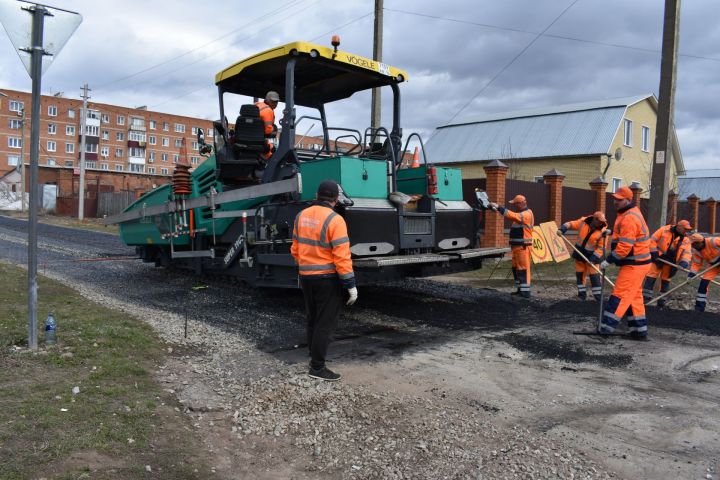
566	130
703	183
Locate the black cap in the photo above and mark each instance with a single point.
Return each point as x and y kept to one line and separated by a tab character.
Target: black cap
328	189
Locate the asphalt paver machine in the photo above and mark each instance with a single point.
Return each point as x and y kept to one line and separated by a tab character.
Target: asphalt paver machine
233	215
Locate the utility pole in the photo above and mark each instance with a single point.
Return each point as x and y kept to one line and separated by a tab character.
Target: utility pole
21	165
377	56
83	121
664	128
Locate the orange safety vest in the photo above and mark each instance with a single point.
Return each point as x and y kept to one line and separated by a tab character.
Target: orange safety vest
590	240
321	245
710	253
521	228
267	115
670	246
631	238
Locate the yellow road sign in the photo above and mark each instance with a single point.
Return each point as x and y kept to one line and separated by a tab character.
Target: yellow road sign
554	243
540	252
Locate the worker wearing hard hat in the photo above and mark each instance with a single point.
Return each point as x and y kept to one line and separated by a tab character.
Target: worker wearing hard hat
671	244
631	252
321	248
267	115
590	243
704	250
520	242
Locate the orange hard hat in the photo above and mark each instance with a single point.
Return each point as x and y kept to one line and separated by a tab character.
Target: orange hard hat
696	238
518	199
623	193
600	217
684	224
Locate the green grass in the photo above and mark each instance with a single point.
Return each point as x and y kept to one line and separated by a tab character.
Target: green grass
110	356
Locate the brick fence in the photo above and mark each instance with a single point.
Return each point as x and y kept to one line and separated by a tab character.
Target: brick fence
551	201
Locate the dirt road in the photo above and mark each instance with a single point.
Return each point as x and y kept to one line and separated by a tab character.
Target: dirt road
441	380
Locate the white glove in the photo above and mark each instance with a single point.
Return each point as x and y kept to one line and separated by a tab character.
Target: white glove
604	264
353	295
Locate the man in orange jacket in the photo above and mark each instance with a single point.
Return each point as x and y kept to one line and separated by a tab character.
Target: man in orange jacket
267	115
707	250
520	242
321	248
670	244
590	242
631	252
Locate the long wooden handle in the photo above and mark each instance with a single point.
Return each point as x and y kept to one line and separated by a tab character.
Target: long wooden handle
585	258
683	269
699	275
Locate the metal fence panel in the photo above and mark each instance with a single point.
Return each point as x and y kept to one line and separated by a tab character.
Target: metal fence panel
577	202
112	203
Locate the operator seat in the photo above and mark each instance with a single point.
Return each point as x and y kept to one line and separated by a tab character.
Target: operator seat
243	161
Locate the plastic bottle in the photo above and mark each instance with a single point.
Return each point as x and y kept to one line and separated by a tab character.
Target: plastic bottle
50	329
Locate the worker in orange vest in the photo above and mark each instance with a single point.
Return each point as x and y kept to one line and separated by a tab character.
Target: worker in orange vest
670	244
520	242
267	115
590	242
631	252
321	248
708	250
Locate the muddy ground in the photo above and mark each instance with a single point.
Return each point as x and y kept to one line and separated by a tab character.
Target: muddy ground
442	378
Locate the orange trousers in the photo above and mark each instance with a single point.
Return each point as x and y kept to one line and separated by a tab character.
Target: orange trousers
627	297
521	269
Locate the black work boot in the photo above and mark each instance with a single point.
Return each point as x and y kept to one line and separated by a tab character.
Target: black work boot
582	295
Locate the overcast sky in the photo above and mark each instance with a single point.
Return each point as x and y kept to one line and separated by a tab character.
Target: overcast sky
458	54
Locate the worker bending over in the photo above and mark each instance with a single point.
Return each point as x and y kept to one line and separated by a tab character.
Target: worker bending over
668	243
704	250
520	242
631	252
590	243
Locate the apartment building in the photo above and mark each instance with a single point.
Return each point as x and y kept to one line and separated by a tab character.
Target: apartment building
118	139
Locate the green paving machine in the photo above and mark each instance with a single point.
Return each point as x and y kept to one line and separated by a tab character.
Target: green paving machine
233	214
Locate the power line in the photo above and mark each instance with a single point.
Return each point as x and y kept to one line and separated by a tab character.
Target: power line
549	35
341	26
165	62
512	61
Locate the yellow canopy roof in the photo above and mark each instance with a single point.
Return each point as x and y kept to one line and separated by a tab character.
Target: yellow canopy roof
321	75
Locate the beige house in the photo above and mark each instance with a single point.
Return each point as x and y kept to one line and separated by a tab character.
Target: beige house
578	140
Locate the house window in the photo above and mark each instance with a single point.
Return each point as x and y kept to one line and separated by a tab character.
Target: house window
178	142
137	168
15	124
616	183
14	142
106	135
152	139
90	165
16	106
71	113
13	160
120	136
151	170
119	152
69	148
92	130
136	136
51	162
152	156
91	148
104	166
105	118
70	130
52	129
194	160
176	157
51	145
52	111
163	157
118	168
195	146
120	120
166	126
195	130
179	128
68	163
136	152
164	171
105	152
211	132
165	142
538	179
627	137
153	124
645	139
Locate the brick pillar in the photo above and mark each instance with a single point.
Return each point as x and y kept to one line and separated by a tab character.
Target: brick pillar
637	190
694	217
554	178
672	207
599	186
712	210
496	173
